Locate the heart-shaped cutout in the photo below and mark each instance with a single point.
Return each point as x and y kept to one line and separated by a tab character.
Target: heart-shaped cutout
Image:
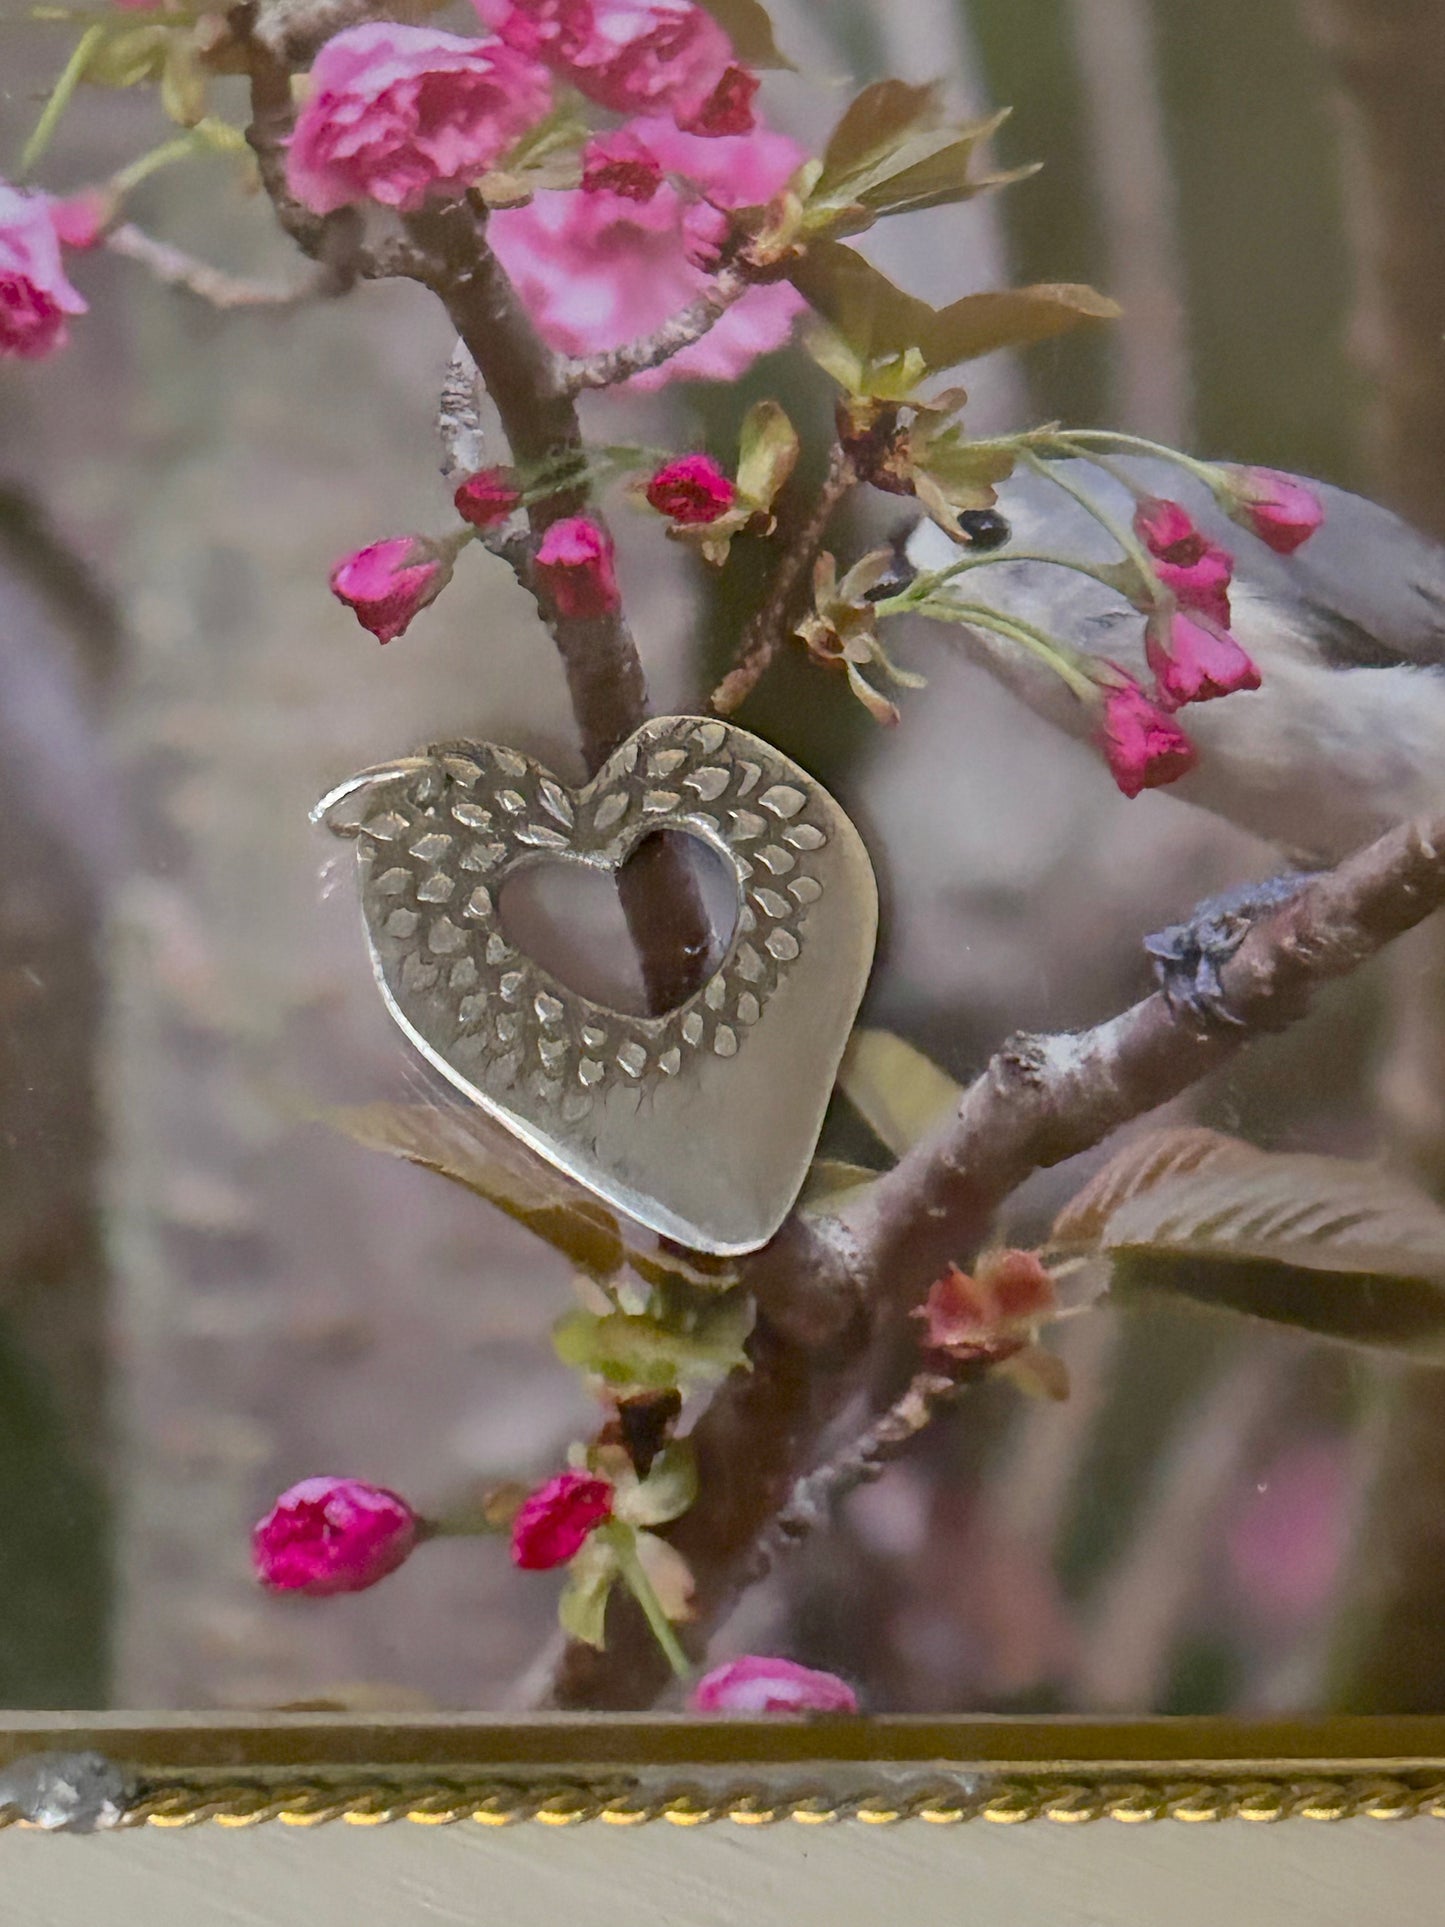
700	1123
568	916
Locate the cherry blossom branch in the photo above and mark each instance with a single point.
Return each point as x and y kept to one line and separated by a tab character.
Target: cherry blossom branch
828	1288
614	365
768	629
445	250
869	1455
176	269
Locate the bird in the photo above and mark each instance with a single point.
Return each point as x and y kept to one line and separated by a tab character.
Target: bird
1343	739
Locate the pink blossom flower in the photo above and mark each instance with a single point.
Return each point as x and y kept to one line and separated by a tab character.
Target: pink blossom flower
755	1684
597	270
390	582
1197	570
575	562
691	489
332	1535
1280	509
619	163
35	296
488	497
555	1521
397	111
634	56
1144	747
1194	658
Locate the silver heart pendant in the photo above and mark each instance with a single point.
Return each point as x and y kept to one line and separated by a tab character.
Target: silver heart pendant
699	1123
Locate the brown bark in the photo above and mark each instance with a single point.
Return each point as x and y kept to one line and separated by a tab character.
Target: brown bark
825	1289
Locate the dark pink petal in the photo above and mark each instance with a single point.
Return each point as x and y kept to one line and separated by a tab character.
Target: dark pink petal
1280	509
1194	659
35	296
327	1536
396	111
575	562
1144	747
728	109
691	489
390	582
488	497
555	1521
754	1684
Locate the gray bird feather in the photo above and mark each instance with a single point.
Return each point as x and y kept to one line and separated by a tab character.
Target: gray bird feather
1346	735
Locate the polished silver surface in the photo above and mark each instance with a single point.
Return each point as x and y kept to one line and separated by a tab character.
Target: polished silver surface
699	1123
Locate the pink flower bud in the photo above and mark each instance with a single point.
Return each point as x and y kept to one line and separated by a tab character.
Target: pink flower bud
619	163
332	1535
691	489
1161	524
1010	1292
728	109
1194	659
488	497
1144	747
395	111
1196	570
35	296
390	582
81	219
755	1684
1281	510
553	1523
574	562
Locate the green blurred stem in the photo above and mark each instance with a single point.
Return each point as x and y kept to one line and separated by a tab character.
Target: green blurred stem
1116	530
1065	662
634	1577
180	149
924	586
1081	441
61	93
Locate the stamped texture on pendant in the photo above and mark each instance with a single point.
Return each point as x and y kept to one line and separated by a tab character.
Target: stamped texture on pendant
699	1123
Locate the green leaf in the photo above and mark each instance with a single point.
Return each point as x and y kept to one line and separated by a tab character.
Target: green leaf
899	1093
653	1353
582	1607
129	58
748	25
879	320
666	1493
876	319
979	324
583	1231
768	450
873	128
829	1181
895	152
1339	1249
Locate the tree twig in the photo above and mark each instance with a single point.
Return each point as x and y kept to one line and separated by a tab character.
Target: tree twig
825	1288
445	249
459	418
613	365
768	629
219	289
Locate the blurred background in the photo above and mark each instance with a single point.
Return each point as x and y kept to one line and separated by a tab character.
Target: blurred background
204	1296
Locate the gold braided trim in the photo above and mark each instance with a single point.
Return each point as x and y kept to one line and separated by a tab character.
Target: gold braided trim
493	1803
